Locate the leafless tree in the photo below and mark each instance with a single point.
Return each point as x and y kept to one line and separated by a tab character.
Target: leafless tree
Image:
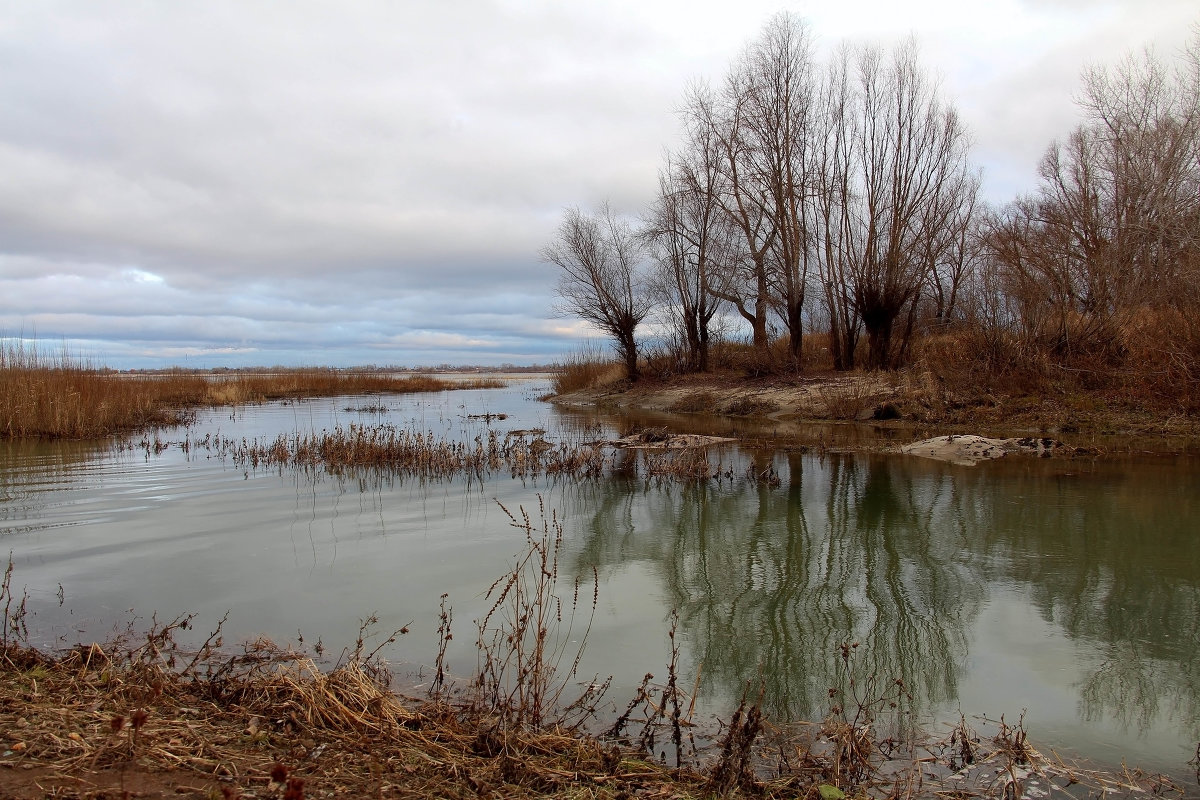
1114	230
957	252
746	283
779	82
911	151
602	279
760	124
839	234
690	242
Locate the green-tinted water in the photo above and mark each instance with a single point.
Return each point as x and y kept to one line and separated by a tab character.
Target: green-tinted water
1069	589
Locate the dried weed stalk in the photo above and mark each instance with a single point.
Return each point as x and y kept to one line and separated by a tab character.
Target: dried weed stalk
524	640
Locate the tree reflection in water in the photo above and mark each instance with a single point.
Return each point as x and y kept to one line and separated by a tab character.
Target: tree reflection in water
770	580
900	555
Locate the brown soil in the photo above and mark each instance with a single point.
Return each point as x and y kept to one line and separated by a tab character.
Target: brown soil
907	406
135	723
93	724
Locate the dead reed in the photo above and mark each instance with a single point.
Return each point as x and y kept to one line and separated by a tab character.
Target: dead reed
407	452
530	642
400	452
848	398
143	714
586	368
690	463
13	628
55	395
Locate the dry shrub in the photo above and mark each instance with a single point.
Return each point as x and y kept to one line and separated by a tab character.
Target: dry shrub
694	403
750	407
1163	356
1148	359
751	361
690	463
528	646
847	398
815	353
970	361
666	362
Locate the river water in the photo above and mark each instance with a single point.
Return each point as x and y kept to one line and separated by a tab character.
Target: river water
1065	589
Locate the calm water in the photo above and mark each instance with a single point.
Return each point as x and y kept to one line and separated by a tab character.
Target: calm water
1068	589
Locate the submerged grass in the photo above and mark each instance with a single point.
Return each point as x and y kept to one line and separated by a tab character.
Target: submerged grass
407	452
44	395
397	452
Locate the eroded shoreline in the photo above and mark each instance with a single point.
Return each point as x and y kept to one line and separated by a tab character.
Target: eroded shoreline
884	412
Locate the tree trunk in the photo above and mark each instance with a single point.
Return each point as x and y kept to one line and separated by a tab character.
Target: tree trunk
795	322
879	340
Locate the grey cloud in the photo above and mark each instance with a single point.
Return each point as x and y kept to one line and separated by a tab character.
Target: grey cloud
260	182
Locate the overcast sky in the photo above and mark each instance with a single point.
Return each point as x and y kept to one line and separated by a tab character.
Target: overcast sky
229	182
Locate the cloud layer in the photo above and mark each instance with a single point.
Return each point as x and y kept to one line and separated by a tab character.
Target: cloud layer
257	183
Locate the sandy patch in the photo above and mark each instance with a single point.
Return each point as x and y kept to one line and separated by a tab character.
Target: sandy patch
968	449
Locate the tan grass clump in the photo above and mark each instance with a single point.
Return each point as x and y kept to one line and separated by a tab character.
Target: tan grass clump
585	369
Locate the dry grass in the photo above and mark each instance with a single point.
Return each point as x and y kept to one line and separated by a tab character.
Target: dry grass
144	715
269	722
56	396
414	453
847	397
688	463
60	397
395	452
586	368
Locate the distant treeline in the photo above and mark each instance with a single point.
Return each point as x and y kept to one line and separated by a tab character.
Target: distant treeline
837	197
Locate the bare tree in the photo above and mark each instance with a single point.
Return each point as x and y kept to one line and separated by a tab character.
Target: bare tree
954	254
1114	230
602	279
911	151
839	232
746	283
689	242
761	123
779	82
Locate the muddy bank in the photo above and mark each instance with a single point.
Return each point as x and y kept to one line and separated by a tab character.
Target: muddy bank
884	411
111	721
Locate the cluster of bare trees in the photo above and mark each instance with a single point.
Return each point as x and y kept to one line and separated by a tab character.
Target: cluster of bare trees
837	196
1111	242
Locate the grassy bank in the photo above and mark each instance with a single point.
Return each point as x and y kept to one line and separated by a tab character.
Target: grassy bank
56	396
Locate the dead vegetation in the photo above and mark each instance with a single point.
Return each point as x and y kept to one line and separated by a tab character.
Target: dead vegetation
399	453
145	715
56	396
585	369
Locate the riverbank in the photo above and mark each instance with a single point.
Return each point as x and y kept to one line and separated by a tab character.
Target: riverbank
899	407
151	720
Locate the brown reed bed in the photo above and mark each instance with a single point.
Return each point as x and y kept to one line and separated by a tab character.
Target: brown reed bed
422	454
408	452
585	368
56	396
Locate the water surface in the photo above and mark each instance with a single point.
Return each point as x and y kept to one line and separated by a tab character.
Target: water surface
1069	589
